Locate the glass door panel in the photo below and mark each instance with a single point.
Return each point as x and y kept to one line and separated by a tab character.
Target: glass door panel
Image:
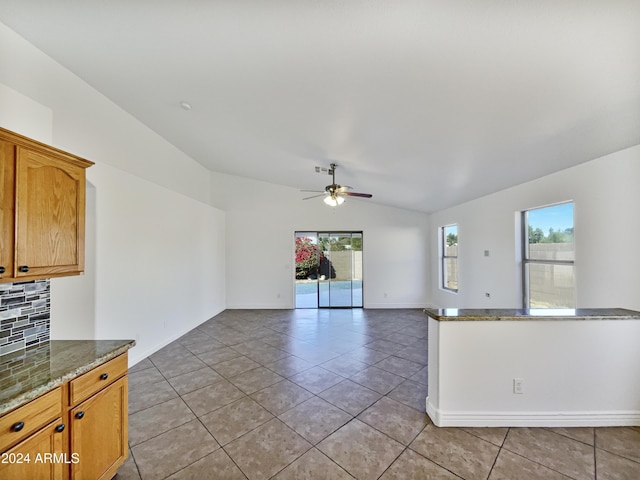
325	268
356	268
341	267
306	251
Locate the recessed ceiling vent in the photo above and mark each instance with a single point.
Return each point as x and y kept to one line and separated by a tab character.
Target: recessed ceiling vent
324	170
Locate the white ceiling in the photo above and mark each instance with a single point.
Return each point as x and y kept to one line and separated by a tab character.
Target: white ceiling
425	104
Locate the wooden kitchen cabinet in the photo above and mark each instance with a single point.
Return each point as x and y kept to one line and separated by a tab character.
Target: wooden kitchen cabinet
99	433
7	210
31	435
99	420
42	210
41	456
81	427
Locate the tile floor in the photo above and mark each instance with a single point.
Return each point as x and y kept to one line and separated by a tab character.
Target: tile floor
330	394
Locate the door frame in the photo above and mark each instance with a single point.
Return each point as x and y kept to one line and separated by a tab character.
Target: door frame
316	234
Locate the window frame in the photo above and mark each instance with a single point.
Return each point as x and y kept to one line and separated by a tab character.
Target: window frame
526	261
444	257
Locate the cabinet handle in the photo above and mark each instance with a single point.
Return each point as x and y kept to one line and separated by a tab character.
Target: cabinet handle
17	426
60	428
23	268
2	270
104	376
80	414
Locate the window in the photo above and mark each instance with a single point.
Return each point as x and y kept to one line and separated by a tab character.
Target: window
548	257
449	256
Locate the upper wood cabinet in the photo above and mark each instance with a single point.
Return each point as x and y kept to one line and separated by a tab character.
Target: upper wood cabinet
42	210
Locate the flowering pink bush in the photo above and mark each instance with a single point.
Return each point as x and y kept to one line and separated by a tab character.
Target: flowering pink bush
306	257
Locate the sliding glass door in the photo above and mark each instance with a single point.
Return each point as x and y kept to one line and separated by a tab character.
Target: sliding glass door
329	269
340	280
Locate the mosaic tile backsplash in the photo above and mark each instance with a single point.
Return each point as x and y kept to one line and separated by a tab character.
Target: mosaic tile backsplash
21	368
25	309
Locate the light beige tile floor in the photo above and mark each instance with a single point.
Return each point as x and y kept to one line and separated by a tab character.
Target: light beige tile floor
331	394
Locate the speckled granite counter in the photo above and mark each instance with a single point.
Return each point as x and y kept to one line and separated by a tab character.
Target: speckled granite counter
29	373
467	314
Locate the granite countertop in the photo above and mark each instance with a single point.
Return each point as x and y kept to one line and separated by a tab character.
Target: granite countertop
27	374
469	314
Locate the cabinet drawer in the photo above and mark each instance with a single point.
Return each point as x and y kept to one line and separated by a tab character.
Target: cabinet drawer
93	381
29	418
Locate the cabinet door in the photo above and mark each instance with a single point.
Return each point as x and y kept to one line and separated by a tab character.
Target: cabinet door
40	457
99	433
7	179
50	209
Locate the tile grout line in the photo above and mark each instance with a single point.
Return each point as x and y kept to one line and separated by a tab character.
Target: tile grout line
234	462
432	461
200	421
190	409
406	447
495	460
133	458
619	455
376	337
537	463
595	456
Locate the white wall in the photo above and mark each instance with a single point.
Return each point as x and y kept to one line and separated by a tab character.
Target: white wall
607	223
155	264
574	372
159	260
24	115
262	219
73	299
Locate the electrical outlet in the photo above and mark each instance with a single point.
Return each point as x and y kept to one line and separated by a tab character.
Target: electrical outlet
518	386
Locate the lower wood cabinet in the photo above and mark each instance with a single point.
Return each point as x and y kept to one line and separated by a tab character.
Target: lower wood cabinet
98	433
41	456
77	431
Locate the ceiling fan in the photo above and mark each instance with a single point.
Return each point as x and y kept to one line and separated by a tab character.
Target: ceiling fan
334	194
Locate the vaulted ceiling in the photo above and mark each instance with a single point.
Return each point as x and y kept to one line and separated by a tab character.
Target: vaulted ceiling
425	104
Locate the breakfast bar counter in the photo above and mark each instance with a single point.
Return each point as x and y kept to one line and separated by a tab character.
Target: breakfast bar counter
534	367
501	314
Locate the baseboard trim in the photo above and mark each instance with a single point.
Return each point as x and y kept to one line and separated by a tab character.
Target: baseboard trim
259	306
265	306
398	306
533	419
136	356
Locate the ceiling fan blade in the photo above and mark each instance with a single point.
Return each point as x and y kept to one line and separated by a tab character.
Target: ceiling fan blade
315	196
356	194
336	192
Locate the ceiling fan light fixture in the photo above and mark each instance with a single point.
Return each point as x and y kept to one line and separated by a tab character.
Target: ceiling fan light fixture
334	194
333	200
